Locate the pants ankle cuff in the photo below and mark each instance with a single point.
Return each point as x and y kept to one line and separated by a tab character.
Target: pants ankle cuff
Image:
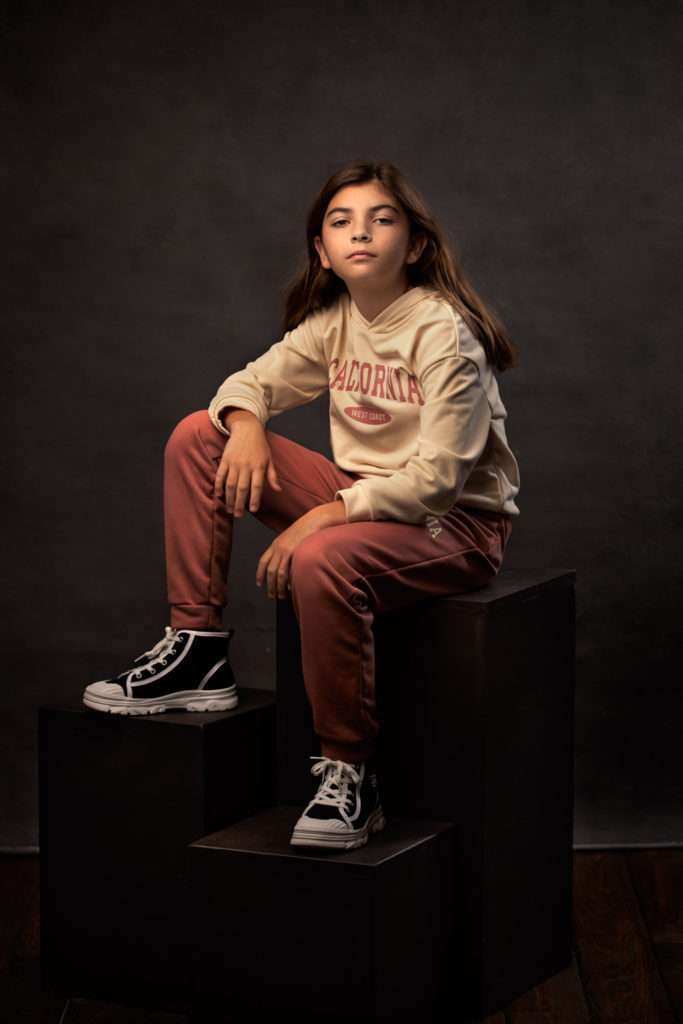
196	616
347	753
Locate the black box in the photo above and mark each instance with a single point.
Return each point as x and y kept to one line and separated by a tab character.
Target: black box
300	933
475	699
120	799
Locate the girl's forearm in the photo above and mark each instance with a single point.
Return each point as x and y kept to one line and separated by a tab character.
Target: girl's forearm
332	513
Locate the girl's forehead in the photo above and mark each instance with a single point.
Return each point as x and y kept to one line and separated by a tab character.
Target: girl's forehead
363	187
362	196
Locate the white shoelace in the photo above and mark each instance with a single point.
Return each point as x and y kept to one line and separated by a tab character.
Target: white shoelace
158	653
334	789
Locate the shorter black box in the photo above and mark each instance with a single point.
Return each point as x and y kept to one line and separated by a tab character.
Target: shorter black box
305	933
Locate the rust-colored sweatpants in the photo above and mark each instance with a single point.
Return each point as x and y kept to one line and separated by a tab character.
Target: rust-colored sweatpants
341	577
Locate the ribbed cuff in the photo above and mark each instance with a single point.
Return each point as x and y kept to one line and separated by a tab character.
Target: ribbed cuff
219	404
356	503
196	616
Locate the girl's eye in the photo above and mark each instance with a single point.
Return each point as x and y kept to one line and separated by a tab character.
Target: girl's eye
343	221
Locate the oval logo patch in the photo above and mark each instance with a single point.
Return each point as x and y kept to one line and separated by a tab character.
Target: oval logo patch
366	414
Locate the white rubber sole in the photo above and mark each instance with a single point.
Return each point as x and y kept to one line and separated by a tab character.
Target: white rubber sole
303	835
184	700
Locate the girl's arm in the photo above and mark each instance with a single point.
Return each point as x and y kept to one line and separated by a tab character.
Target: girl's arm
290	373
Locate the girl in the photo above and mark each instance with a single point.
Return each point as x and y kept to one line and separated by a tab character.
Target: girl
418	501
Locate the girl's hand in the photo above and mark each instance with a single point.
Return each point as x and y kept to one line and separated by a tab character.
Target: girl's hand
275	561
245	461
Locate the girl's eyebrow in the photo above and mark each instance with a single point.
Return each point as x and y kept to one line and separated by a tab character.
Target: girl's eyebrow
372	209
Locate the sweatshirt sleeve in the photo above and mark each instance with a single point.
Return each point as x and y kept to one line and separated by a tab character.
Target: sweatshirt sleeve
291	372
454	429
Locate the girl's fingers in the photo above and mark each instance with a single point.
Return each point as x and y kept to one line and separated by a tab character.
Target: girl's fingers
282	578
272	477
271	576
256	490
275	571
231	486
272	573
218	482
261	567
242	494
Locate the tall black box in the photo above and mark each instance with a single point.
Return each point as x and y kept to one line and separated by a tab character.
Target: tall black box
475	698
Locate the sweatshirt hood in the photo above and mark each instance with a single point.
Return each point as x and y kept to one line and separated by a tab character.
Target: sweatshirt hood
395	314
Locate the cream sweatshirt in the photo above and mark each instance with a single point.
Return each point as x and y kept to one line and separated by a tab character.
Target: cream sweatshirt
414	405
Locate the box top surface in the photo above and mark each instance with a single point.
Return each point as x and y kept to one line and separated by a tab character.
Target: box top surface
268	832
510	586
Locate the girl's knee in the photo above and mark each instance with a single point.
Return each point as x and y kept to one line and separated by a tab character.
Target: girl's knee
308	556
317	555
187	430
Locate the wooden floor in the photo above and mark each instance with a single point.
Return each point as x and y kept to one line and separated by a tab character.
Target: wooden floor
627	966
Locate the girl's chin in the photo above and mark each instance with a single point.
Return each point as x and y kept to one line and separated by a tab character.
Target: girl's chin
361	272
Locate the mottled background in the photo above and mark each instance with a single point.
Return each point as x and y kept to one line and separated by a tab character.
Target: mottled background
158	161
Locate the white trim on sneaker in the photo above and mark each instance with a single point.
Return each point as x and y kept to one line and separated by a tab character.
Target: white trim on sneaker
183	700
211	672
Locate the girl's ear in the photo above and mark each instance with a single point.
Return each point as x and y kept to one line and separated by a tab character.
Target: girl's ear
321	252
416	247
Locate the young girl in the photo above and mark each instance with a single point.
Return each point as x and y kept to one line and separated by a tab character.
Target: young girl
418	501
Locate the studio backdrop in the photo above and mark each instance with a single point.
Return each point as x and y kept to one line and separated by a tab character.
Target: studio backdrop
158	164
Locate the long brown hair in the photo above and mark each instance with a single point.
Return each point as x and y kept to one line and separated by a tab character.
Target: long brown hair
313	287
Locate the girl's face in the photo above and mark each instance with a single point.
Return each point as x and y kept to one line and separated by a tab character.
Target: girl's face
366	217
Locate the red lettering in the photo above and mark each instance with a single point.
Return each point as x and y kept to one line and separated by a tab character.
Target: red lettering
352	384
340	379
380	372
414	390
400	389
385	380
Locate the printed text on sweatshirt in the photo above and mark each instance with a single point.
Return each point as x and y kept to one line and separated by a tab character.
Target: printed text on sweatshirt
414	405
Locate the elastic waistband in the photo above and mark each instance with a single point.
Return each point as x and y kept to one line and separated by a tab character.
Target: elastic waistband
489	513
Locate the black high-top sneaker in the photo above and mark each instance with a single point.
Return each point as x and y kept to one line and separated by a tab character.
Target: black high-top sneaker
188	669
346	808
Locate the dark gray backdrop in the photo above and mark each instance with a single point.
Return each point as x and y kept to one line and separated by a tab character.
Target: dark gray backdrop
158	165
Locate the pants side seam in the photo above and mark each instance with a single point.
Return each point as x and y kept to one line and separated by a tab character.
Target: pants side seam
214	512
413	565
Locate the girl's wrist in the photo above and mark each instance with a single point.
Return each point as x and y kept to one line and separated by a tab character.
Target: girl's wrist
332	513
232	415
